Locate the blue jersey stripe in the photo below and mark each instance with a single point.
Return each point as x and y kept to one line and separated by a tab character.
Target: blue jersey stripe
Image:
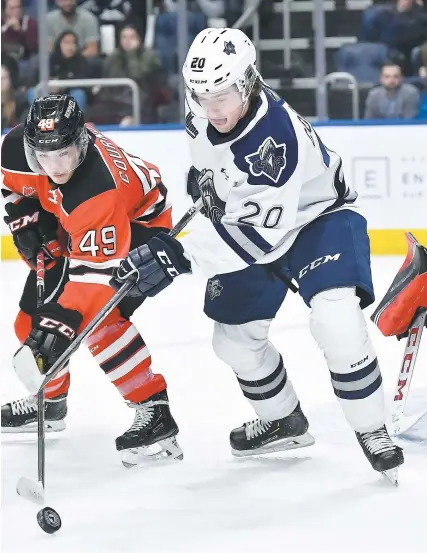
256	238
247	258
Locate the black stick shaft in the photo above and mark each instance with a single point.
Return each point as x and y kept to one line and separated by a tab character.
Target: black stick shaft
40	396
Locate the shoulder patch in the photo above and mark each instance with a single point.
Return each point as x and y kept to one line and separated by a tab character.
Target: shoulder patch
268	160
268	153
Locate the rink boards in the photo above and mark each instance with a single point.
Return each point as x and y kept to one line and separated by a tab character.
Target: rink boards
387	163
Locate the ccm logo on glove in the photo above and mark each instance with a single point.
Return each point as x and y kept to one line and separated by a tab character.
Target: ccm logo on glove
163	257
24	221
46	322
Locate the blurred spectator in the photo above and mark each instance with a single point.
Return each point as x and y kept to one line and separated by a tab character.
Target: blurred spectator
134	61
423	61
402	27
107	11
18	31
14	105
66	62
230	10
69	17
12	66
393	99
166	40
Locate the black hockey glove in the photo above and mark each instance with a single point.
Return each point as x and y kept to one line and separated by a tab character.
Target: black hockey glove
201	184
53	328
33	228
153	265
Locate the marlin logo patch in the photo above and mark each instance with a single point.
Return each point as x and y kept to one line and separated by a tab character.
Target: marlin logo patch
229	48
269	160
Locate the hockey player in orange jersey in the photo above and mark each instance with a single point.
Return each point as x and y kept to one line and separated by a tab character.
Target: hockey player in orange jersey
74	193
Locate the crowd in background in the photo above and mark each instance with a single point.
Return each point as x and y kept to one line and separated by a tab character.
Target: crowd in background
108	38
400	28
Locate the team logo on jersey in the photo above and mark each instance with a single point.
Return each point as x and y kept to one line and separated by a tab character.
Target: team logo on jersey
229	48
214	288
269	160
28	190
53	196
189	127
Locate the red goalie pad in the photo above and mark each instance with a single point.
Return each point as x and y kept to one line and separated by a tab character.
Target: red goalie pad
407	293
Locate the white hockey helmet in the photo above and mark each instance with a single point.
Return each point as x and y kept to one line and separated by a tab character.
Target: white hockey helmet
219	71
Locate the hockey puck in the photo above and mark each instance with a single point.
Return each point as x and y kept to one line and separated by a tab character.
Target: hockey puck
49	520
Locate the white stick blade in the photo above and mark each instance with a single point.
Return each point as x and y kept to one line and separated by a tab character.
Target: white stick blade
405	423
30	490
27	370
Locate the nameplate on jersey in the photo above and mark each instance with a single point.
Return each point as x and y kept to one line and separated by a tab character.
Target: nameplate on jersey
268	160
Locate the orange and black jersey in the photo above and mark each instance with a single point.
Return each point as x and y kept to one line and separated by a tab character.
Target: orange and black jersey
107	193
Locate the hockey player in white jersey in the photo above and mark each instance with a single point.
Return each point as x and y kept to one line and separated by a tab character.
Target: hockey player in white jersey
276	207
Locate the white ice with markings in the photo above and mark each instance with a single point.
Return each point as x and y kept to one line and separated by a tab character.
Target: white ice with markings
325	498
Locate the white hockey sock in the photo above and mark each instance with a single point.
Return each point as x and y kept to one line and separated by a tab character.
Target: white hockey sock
268	388
258	366
338	325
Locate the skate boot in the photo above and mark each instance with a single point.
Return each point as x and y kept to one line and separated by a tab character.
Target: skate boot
152	434
260	436
21	415
381	452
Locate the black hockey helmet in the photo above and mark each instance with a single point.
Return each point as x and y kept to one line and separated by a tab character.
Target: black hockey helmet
55	137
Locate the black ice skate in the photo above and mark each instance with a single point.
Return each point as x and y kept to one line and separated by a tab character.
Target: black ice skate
153	426
381	452
259	436
21	415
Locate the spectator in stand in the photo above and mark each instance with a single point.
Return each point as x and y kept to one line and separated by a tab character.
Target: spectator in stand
67	62
107	11
69	17
393	99
131	59
423	61
14	105
401	27
230	10
18	31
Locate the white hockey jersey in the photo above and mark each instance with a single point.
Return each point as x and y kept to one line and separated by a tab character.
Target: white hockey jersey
264	181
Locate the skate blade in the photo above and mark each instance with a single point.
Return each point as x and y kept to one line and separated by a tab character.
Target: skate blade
31	428
30	490
295	442
392	475
168	450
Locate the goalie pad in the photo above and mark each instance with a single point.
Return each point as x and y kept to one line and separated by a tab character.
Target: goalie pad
407	293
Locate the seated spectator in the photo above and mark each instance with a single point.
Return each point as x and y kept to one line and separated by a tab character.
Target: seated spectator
14	105
423	61
67	62
133	61
18	31
84	24
402	28
393	99
229	10
107	11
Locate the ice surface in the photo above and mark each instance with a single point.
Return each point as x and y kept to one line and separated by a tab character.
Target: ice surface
325	498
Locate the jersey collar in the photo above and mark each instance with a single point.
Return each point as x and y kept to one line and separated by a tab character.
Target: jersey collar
216	138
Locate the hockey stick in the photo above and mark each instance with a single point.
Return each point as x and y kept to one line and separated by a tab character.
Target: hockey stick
25	487
400	423
24	357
